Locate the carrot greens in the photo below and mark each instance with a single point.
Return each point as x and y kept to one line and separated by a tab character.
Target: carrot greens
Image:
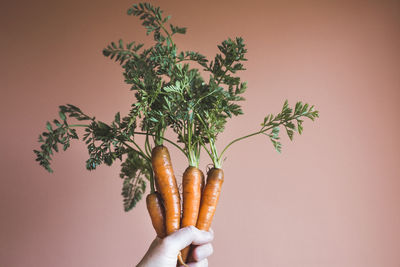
290	119
170	93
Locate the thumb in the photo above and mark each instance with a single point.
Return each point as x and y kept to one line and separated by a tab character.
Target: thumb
186	236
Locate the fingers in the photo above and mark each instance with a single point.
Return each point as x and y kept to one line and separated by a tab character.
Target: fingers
202	252
186	236
155	243
203	263
211	230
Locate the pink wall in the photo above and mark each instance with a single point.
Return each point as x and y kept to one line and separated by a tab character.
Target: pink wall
330	199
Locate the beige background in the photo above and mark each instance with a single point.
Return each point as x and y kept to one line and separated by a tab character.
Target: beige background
331	199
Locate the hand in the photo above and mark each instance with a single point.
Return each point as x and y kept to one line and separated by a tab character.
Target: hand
164	252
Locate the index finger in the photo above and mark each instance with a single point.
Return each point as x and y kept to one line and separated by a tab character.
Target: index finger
186	236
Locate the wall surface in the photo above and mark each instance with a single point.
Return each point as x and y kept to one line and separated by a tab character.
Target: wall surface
331	199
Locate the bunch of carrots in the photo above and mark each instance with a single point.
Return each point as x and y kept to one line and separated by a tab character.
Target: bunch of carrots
170	95
199	199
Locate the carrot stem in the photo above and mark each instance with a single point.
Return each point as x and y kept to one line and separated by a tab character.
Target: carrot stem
263	130
165	139
139	150
147	146
78	125
241	138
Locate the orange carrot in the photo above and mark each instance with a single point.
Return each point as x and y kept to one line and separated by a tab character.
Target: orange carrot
209	199
191	183
166	182
157	213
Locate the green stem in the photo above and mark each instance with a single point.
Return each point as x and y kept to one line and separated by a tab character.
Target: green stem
238	139
166	139
188	59
220	79
216	160
78	125
207	150
198	153
139	150
167	32
147	146
263	130
192	159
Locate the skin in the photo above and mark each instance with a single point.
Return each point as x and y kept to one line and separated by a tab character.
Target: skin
157	213
192	183
166	182
163	252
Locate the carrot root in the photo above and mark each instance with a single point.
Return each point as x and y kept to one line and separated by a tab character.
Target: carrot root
191	184
181	261
157	213
165	180
209	199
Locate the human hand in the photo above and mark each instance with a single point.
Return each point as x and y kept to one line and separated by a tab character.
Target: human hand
164	252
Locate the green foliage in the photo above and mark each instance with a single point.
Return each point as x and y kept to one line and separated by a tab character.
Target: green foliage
169	93
61	134
104	144
153	21
193	56
291	120
122	52
134	171
73	112
221	103
228	63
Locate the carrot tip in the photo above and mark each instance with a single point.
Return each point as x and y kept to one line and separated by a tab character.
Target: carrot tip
181	260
